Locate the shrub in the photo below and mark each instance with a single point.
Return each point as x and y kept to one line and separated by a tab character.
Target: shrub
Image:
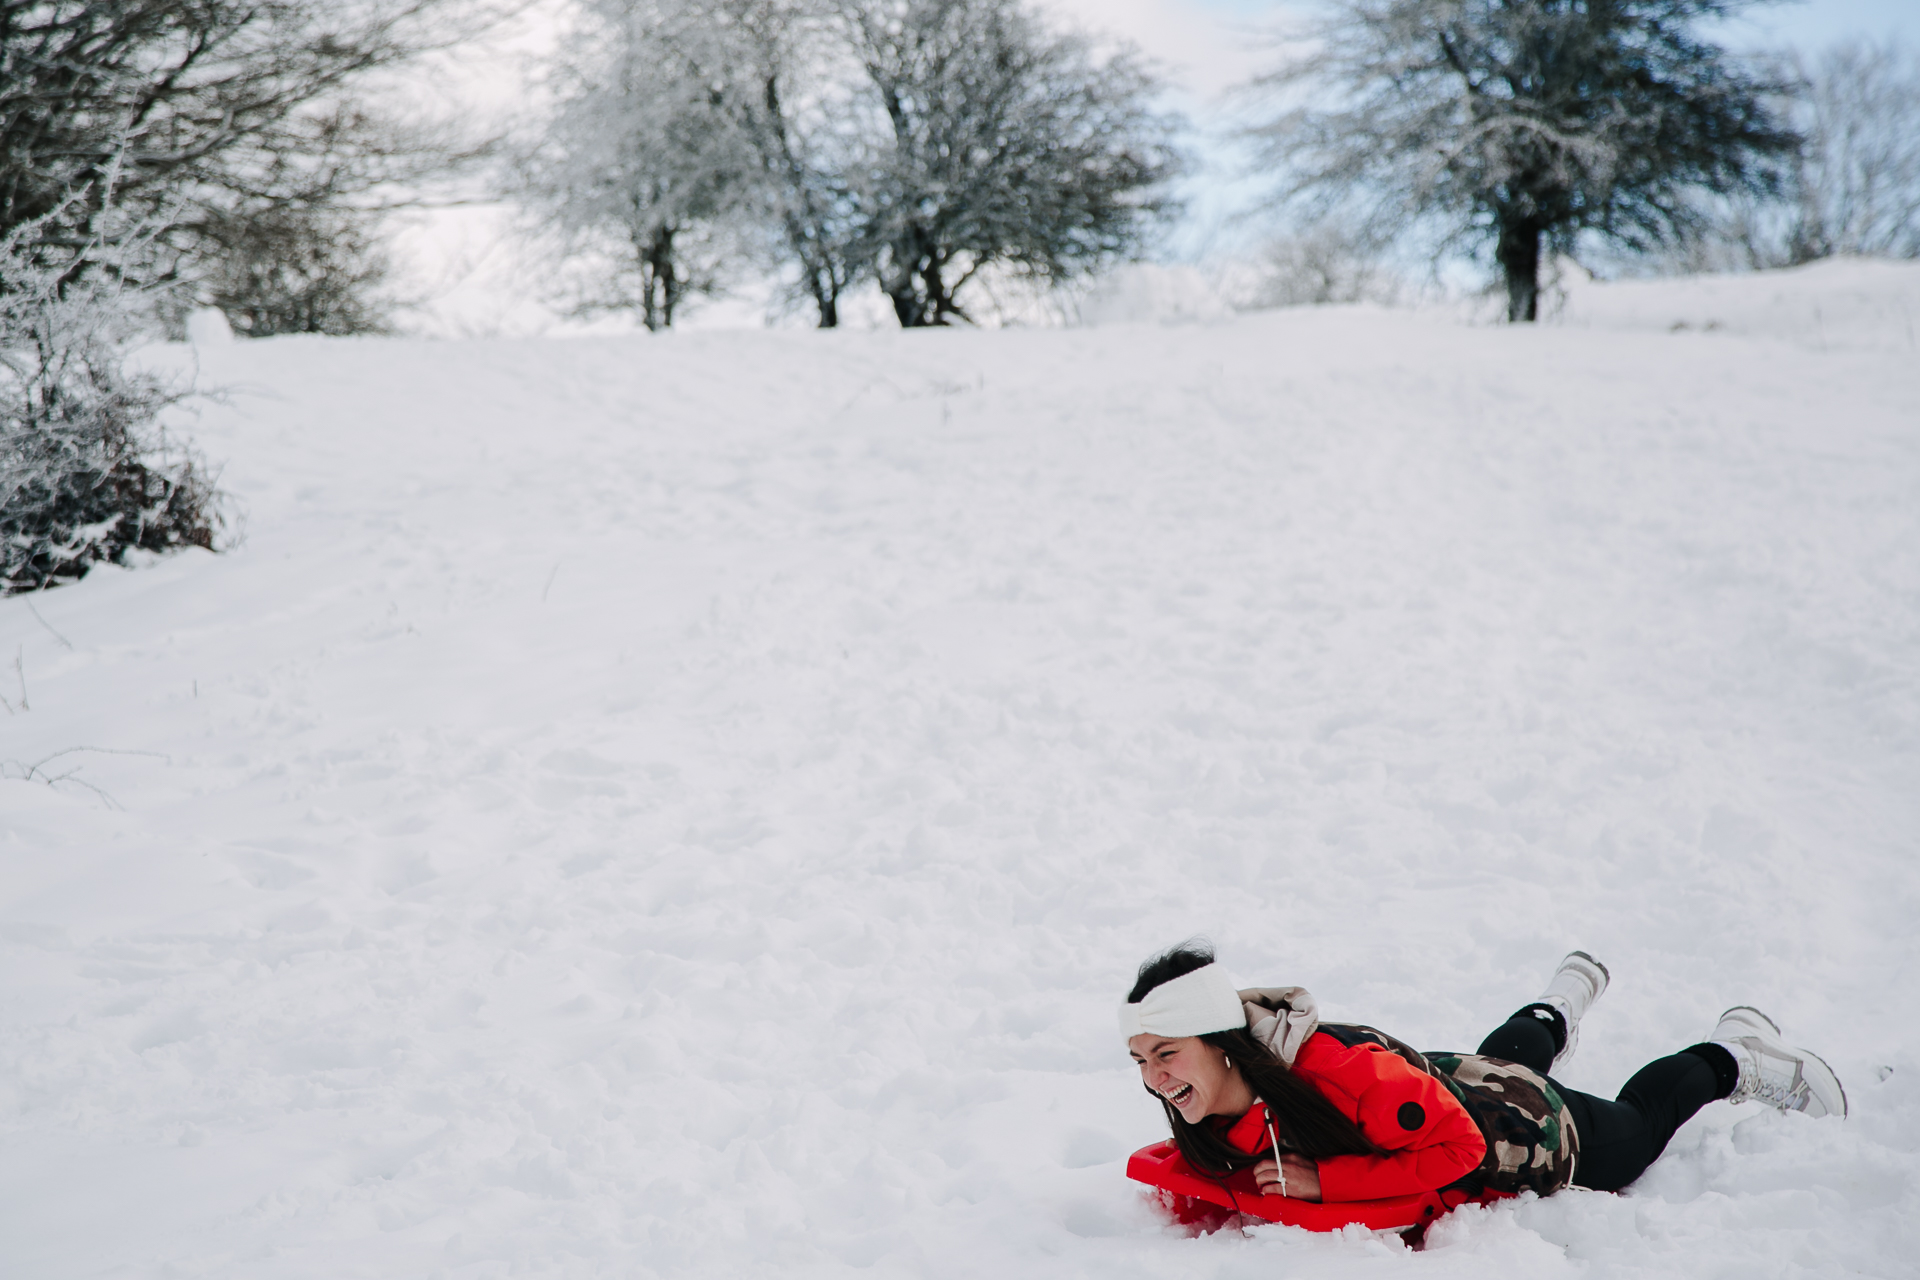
300	270
87	474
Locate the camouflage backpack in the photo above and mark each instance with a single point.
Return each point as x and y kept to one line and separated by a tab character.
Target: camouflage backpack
1532	1144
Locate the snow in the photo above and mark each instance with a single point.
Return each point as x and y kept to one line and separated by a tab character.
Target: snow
687	806
1842	302
1149	292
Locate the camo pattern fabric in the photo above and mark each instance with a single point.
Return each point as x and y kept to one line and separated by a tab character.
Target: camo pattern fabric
1532	1144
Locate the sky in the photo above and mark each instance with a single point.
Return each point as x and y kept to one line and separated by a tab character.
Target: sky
1211	45
468	266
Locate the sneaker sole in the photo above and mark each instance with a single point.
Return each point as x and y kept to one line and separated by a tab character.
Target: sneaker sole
1831	1075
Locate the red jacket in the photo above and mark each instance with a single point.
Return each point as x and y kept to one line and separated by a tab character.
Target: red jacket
1429	1138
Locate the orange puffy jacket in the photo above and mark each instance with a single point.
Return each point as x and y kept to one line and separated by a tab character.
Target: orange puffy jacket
1429	1137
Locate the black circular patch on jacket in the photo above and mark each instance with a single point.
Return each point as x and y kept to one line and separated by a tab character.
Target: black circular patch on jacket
1411	1116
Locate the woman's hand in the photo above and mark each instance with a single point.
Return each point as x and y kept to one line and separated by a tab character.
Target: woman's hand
1303	1178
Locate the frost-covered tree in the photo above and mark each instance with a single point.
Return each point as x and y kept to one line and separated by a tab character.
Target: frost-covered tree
793	102
1856	182
916	141
647	166
179	117
997	143
87	475
1521	124
692	138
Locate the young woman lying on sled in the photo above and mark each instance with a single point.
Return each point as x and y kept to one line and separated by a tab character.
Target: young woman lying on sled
1328	1112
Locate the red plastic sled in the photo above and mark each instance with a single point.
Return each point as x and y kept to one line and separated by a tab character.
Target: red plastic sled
1197	1199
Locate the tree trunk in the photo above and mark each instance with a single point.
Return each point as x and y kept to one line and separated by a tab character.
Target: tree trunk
647	255
1518	253
649	302
669	276
660	282
823	282
940	308
914	276
922	299
805	234
906	304
909	308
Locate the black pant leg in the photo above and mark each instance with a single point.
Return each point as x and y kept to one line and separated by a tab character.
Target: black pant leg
1618	1140
1524	1039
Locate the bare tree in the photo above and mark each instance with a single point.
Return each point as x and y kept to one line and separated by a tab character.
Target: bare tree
294	243
1524	123
998	143
298	269
1856	183
1852	187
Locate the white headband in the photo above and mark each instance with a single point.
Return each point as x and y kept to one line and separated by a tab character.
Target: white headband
1190	1005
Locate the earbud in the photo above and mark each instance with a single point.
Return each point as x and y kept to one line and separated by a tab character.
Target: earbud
1229	1061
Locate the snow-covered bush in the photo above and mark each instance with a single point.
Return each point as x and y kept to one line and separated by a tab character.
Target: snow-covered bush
87	474
1322	266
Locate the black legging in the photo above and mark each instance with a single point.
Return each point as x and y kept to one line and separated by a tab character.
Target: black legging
1618	1140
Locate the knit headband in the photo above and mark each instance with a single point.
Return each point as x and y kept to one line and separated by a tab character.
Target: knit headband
1190	1005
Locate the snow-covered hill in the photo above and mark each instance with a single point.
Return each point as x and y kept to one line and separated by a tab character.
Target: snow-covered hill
1844	303
687	807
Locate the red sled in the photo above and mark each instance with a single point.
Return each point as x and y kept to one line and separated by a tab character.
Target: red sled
1206	1202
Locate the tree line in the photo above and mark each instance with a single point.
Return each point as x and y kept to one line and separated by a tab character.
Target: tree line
922	144
157	155
915	144
920	147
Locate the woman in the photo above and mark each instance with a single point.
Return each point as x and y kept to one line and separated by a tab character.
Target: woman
1335	1112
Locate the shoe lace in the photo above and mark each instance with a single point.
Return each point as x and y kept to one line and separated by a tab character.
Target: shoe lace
1778	1093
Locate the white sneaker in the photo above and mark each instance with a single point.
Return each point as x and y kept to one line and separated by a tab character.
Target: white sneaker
1575	985
1783	1077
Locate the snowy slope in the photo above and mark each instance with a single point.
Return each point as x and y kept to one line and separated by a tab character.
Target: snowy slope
1840	303
687	807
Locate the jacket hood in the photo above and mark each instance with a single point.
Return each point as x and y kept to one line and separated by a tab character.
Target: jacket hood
1281	1018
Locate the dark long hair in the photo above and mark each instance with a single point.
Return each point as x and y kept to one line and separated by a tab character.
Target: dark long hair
1305	1121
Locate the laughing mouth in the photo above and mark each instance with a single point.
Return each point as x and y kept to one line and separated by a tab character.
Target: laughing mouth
1180	1095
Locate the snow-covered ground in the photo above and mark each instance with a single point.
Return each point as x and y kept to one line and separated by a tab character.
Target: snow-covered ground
1842	304
686	807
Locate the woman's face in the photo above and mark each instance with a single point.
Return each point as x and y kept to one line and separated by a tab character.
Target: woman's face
1189	1073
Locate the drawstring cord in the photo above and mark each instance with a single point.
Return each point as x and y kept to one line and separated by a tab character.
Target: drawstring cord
1278	1164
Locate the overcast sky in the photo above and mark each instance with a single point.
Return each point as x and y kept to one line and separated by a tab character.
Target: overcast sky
1206	46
